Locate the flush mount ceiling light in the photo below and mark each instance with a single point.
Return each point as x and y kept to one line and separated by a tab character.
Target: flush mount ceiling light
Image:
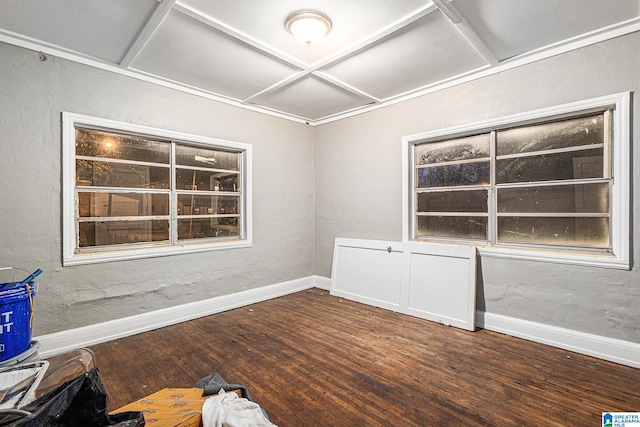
308	26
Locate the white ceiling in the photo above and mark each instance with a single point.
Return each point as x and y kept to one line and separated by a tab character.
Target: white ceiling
378	52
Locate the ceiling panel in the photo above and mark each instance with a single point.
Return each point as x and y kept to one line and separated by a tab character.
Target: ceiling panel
97	28
311	98
427	51
515	27
186	50
263	20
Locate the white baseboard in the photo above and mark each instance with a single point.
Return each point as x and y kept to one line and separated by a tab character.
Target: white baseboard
618	351
322	282
613	350
60	342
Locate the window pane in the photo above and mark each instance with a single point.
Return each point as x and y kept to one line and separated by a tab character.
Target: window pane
95	143
547	136
550	167
207	158
454	175
572	232
580	198
189	204
122	232
206	181
122	204
472	147
106	174
453	201
457	227
193	228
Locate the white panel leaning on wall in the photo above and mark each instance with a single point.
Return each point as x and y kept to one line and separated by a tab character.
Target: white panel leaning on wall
432	281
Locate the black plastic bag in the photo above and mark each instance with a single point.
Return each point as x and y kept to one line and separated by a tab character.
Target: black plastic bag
81	402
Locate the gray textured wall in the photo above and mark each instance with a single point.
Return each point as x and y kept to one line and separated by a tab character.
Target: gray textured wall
358	185
357	176
32	96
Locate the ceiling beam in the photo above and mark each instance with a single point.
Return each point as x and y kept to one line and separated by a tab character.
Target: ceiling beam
347	87
282	83
463	27
158	15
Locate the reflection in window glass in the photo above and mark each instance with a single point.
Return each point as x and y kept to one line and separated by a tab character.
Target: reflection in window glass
198	228
122	204
453	201
551	167
107	233
106	174
191	204
471	147
202	180
590	232
578	198
555	135
453	175
207	158
95	143
474	228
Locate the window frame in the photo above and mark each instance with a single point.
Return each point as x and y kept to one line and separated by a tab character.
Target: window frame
70	253
618	258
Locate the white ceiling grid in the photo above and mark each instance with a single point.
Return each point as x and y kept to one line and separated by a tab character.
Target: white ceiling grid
378	52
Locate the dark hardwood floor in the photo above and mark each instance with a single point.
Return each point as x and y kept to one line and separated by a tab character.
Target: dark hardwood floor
311	359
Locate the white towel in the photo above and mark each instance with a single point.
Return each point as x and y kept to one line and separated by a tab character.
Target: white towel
229	410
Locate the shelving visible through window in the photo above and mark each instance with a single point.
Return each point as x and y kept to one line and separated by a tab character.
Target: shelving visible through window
133	191
539	180
208	188
123	189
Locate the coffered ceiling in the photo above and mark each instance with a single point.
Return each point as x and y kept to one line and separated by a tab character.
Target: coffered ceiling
378	52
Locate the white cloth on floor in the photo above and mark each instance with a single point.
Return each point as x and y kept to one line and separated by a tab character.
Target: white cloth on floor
230	410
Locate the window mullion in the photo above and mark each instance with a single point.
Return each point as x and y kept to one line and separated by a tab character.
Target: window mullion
241	203
413	192
492	194
173	220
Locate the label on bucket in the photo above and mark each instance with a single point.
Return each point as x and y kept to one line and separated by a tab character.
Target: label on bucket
5	326
7	323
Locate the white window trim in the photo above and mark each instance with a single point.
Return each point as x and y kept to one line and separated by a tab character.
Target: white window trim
620	197
69	123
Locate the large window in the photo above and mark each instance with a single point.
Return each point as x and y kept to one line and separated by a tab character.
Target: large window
133	191
537	181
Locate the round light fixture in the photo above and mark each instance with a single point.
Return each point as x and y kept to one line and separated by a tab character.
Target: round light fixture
308	26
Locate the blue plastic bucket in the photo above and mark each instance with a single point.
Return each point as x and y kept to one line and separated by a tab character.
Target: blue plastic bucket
16	312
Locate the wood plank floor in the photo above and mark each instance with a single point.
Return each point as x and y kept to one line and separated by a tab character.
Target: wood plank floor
311	359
